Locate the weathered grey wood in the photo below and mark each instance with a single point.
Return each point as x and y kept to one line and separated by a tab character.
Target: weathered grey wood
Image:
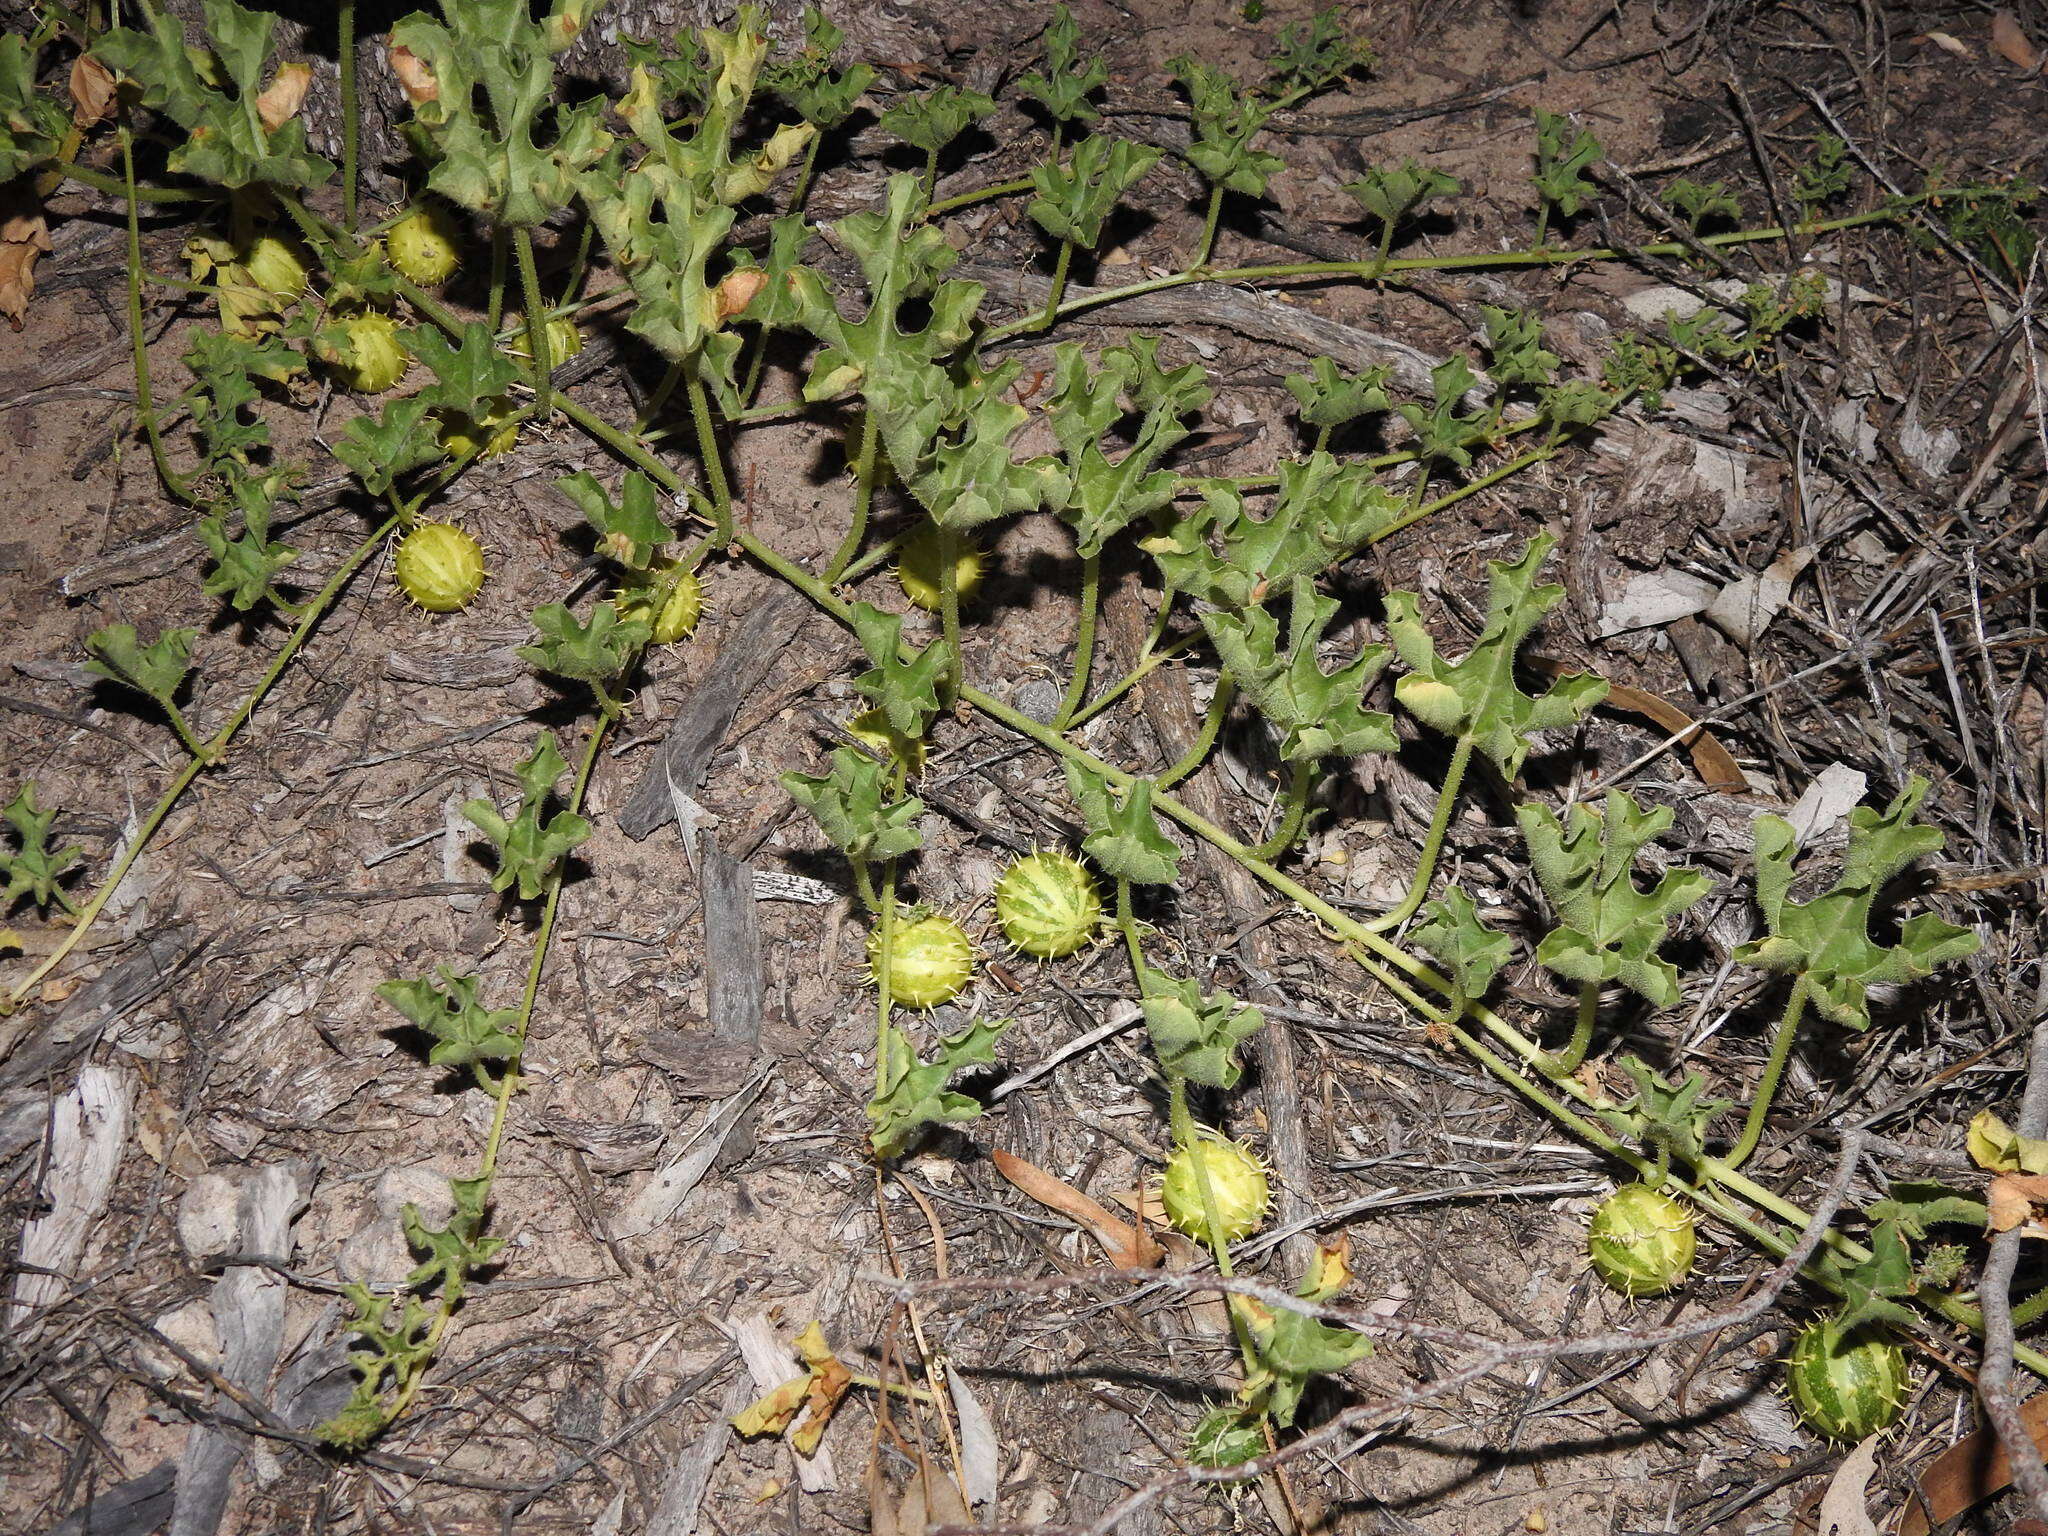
735	988
133	1508
743	662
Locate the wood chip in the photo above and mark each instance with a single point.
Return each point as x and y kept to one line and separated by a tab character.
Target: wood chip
88	1132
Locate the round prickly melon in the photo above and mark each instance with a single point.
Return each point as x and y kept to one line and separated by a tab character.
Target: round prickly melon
1237	1185
930	960
1048	904
1641	1241
1846	1383
439	566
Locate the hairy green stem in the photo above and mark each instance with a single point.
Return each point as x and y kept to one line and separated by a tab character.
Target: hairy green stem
949	612
494	312
113	186
1301	779
536	323
713	462
210	752
1203	249
1205	739
1059	284
1774	1070
1150	658
1432	843
138	340
1582	1030
1084	641
1371	268
980	195
351	127
863	499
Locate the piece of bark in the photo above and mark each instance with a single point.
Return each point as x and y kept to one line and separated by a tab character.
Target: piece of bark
88	1131
742	663
134	1508
675	1512
486	659
672	1183
134	980
770	1362
735	989
248	1311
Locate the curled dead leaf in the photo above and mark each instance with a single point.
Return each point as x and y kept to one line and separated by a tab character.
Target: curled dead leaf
2010	1199
738	291
415	76
2012	43
1125	1246
92	90
24	239
282	98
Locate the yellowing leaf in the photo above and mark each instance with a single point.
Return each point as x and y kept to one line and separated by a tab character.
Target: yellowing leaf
1995	1145
772	1413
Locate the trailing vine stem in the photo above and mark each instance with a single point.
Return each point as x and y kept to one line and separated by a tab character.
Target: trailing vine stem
1433	841
1370	268
1205	739
1774	1069
212	750
138	341
536	323
1084	641
508	1080
863	500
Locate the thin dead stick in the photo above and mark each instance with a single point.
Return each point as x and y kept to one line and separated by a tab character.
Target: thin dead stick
1486	1354
1994	1377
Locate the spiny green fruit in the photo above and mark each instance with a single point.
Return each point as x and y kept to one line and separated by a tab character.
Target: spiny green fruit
564	342
1048	904
676	618
917	567
276	266
668	599
366	352
1641	1241
422	245
1237	1185
439	566
485	436
930	960
1846	1383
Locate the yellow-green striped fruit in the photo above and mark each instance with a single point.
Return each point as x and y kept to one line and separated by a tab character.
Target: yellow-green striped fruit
422	245
1846	1383
1641	1241
917	567
276	265
930	960
439	566
485	436
1237	1186
366	352
1048	904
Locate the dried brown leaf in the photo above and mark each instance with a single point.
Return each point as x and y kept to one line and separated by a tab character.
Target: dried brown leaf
281	99
1967	1473
2011	1198
1125	1246
92	90
415	76
2010	39
24	238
